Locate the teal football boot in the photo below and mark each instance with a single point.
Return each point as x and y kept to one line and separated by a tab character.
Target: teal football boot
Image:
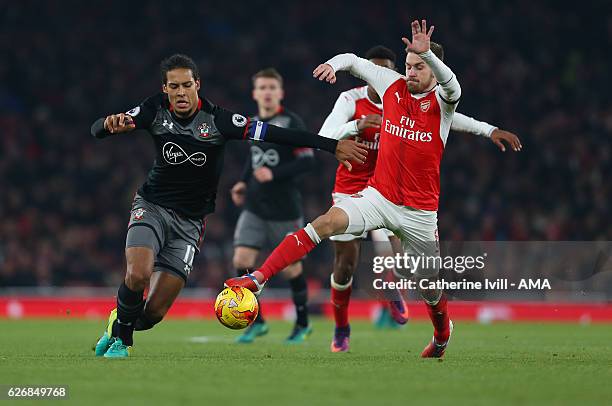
107	339
255	330
118	350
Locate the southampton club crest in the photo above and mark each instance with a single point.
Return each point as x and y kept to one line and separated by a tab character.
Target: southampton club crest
204	130
138	214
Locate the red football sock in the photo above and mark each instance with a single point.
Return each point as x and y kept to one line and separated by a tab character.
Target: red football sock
293	248
340	300
439	318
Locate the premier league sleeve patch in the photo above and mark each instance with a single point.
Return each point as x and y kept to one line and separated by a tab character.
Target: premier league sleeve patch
134	112
239	120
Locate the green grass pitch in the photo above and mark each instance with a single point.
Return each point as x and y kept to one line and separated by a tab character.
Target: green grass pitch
196	362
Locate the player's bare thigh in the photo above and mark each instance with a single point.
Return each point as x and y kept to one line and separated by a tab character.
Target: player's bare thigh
334	222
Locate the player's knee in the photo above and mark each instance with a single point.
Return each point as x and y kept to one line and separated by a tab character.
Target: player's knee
244	258
327	225
428	294
139	267
241	263
137	276
344	268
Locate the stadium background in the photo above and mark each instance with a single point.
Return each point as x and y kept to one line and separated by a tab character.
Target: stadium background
64	197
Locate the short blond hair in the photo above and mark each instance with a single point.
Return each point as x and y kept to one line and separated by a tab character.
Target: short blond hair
268	73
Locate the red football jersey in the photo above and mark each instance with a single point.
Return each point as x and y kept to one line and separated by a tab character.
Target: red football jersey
411	147
350	182
413	132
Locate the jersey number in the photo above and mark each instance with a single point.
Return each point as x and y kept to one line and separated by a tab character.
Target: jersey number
188	258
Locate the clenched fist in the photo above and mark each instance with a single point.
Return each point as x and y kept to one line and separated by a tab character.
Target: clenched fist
119	123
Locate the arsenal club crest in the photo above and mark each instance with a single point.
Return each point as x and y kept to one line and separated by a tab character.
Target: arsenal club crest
204	130
425	105
138	214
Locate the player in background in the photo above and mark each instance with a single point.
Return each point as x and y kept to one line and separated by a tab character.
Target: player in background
166	224
272	202
403	193
357	115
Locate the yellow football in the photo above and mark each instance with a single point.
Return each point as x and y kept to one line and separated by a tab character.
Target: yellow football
236	307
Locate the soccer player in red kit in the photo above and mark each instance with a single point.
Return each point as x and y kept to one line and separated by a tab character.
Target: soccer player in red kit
403	193
357	115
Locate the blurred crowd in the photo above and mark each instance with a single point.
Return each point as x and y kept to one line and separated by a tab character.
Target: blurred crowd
533	68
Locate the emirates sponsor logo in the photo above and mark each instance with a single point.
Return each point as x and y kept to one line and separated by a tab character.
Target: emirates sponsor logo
406	130
371	145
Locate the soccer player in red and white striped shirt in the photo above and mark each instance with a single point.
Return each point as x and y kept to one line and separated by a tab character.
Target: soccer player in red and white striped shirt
357	115
403	193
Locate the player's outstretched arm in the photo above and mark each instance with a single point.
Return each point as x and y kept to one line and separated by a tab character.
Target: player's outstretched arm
140	117
236	126
344	150
466	124
338	124
113	124
449	88
304	162
380	78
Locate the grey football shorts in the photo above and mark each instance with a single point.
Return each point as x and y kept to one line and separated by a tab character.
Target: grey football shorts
174	239
254	232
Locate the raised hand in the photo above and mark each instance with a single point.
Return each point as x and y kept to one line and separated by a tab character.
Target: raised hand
325	72
420	37
497	136
350	150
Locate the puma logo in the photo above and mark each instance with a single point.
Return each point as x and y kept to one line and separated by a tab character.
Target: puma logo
298	240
